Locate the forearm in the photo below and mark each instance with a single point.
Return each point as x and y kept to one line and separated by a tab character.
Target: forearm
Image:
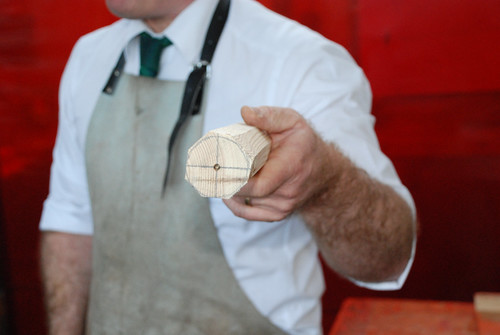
66	271
363	228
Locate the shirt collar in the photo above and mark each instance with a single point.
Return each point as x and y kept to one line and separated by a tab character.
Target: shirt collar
188	30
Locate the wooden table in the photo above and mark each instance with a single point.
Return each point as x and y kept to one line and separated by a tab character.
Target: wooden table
377	316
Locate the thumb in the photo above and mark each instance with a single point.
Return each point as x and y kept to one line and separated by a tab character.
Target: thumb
270	119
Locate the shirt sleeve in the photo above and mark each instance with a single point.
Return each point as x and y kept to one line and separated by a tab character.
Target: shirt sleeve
67	207
333	94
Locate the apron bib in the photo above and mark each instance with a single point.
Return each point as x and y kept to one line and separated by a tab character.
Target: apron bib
158	267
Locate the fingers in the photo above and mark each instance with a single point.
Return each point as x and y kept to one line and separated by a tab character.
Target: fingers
256	209
270	119
281	206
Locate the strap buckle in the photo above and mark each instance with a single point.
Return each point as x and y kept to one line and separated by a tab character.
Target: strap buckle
204	64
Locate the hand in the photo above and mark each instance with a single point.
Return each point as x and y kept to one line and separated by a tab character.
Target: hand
290	177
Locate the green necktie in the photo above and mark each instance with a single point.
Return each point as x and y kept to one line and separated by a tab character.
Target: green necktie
151	49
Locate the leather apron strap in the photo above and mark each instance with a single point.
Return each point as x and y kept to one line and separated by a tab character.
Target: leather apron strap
193	93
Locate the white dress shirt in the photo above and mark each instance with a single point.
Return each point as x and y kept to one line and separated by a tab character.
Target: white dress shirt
261	59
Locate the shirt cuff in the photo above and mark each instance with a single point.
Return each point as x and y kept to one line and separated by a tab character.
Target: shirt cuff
392	285
58	218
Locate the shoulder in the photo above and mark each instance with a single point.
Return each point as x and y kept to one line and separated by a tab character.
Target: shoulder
289	49
95	54
90	63
298	57
260	28
102	38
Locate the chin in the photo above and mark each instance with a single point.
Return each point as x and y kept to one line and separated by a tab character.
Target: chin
129	9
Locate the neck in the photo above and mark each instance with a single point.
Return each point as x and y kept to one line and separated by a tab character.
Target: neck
159	24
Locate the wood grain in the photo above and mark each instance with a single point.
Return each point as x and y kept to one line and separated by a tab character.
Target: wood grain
220	163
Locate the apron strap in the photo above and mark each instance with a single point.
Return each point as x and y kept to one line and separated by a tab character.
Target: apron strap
193	92
115	75
191	102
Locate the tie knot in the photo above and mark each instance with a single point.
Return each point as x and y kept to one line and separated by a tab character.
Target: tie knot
151	49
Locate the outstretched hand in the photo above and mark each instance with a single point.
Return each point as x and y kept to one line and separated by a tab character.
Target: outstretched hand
291	176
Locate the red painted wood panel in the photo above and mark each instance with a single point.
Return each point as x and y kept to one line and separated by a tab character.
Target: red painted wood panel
439	125
433	66
428	46
334	19
36	41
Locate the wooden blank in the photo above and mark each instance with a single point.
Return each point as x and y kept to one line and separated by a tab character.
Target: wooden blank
220	163
487	307
487	302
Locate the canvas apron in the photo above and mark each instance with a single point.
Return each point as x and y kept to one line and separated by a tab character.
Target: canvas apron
158	267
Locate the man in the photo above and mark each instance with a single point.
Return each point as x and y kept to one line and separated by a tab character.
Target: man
120	258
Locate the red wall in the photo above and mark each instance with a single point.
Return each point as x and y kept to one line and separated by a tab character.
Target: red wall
434	66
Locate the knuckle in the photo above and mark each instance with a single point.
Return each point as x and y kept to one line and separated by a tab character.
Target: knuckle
288	208
284	208
289	193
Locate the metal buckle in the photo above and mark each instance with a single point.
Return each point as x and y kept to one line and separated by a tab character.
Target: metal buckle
206	65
